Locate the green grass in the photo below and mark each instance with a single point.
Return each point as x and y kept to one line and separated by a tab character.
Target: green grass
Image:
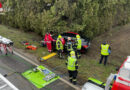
88	66
18	36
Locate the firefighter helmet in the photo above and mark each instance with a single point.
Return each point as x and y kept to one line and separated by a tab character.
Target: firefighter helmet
77	36
59	36
72	53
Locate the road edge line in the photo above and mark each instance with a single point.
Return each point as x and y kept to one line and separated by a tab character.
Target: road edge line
65	81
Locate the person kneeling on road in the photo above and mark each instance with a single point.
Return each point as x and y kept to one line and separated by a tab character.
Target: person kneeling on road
72	67
59	46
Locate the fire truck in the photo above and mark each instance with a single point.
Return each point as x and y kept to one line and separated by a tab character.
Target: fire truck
121	80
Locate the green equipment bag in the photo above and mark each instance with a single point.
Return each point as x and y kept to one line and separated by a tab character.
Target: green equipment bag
97	82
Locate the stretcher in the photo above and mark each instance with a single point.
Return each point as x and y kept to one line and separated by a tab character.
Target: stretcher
47	57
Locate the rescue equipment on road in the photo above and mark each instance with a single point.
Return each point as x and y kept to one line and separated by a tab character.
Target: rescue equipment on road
31	47
47	57
40	76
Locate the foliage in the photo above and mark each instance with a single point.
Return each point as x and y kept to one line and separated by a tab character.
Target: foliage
90	17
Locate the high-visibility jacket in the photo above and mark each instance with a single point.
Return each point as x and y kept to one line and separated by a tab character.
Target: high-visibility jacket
104	49
59	45
69	46
79	44
48	38
72	64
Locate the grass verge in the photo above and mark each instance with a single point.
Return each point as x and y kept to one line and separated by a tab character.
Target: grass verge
88	66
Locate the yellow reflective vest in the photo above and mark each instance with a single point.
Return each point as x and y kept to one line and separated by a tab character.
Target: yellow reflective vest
71	64
104	49
59	45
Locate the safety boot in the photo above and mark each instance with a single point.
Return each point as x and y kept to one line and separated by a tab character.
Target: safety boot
74	82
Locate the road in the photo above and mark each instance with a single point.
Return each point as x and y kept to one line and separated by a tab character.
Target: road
14	63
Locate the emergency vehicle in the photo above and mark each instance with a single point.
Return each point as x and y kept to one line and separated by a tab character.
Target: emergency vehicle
6	45
121	80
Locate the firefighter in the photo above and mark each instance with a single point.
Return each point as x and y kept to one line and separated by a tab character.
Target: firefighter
72	67
69	45
79	45
74	44
59	46
105	51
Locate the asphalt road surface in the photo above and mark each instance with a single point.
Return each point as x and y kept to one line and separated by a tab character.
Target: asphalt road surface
11	63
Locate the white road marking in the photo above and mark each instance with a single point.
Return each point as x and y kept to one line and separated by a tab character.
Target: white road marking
30	61
7	83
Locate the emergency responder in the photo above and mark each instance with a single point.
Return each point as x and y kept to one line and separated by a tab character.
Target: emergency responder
48	40
69	46
105	51
74	44
59	46
72	67
79	45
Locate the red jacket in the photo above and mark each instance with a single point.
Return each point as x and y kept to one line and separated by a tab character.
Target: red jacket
48	38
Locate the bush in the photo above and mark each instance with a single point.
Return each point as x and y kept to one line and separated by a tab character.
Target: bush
90	17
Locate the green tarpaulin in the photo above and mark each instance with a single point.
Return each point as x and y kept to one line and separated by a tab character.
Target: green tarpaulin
37	77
